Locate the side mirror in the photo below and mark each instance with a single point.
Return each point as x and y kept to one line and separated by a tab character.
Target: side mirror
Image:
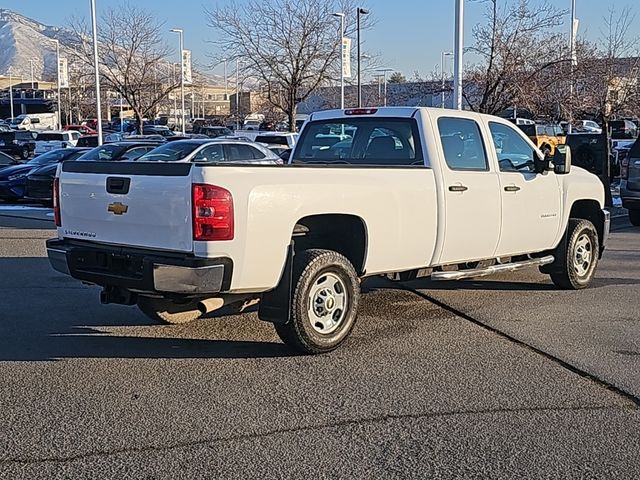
540	165
562	160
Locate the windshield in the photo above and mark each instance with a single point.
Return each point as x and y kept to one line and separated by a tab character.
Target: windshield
170	152
272	139
48	137
17	120
50	157
105	152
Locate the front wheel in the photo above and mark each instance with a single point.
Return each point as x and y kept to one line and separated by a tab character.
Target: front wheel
634	217
324	302
579	259
167	311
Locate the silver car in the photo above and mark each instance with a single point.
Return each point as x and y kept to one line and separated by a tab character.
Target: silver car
212	151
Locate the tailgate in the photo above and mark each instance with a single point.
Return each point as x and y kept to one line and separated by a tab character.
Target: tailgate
127	203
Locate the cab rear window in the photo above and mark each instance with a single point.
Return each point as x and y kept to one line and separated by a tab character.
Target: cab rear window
360	141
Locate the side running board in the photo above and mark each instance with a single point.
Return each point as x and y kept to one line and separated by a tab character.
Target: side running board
483	272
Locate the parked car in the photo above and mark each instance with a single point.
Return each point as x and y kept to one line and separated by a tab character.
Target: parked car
118	151
213	132
13	179
35	121
278	140
89	141
6	160
621	129
212	151
544	136
630	183
83	129
157	130
588	126
19	143
47	141
39	184
426	192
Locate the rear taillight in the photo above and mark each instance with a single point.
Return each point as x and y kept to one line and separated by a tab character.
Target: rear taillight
56	202
212	213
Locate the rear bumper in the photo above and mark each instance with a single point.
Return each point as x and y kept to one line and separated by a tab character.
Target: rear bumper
140	270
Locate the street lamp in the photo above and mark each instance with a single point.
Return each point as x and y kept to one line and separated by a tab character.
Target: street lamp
442	55
181	34
574	61
58	81
237	93
458	53
11	93
226	91
361	11
341	15
384	74
96	69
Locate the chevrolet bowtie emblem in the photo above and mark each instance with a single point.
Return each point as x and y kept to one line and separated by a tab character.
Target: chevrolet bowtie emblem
118	208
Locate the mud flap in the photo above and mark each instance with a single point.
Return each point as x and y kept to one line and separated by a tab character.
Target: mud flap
274	305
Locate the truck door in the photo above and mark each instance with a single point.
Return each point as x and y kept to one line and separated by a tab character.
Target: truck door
471	193
531	202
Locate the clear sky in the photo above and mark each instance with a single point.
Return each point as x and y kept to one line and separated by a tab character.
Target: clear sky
409	34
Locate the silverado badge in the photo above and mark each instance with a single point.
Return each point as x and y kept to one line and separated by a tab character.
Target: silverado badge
118	208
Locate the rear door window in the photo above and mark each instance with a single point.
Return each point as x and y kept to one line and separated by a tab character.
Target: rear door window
241	153
462	144
360	141
211	153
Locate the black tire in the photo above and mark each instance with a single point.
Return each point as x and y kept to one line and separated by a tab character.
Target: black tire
25	153
311	270
546	151
634	217
577	262
163	310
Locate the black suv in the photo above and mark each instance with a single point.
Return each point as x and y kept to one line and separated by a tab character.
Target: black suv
19	143
630	183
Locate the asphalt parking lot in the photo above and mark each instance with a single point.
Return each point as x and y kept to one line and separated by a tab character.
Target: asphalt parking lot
499	378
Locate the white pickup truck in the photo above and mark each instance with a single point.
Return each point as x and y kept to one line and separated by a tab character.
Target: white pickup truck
403	192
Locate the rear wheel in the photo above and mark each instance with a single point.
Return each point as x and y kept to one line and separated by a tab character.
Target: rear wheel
578	261
164	310
25	153
634	217
324	302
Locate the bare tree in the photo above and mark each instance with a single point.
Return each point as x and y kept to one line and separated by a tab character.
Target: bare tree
290	46
132	57
516	44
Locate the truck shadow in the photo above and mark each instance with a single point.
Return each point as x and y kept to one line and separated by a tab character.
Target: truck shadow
45	316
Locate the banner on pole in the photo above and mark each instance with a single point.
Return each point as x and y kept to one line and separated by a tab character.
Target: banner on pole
346	57
63	73
186	66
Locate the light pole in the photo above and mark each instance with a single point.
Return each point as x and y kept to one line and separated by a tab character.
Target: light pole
181	34
458	53
32	82
96	69
384	72
58	81
574	61
237	94
11	92
226	91
341	15
378	79
442	55
361	11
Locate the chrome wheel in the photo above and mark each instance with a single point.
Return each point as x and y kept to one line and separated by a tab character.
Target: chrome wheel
328	303
583	255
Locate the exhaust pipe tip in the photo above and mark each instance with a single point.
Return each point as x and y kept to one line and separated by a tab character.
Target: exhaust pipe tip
210	304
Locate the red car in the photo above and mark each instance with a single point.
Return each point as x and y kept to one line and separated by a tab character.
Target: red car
83	129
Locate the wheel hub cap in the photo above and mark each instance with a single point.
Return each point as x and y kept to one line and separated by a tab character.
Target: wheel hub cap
328	302
583	255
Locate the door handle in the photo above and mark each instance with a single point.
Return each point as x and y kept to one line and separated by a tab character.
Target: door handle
511	188
458	188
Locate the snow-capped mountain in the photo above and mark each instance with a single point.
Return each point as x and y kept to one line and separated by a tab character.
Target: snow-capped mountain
23	39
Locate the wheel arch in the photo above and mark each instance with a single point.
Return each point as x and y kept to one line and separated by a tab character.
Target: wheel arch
589	209
343	233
